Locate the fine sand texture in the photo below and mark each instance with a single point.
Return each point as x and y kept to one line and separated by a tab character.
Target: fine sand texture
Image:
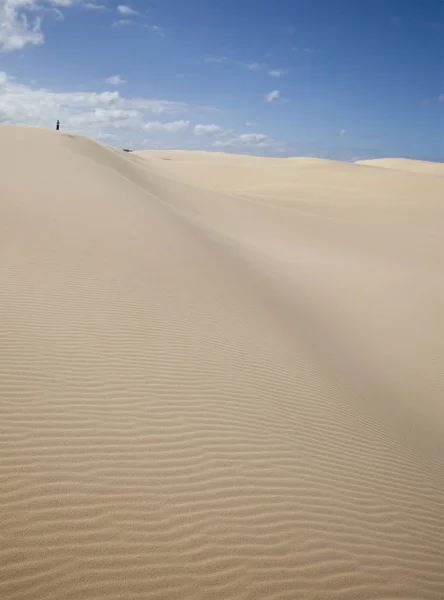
221	377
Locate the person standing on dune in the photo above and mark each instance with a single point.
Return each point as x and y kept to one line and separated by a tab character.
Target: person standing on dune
58	125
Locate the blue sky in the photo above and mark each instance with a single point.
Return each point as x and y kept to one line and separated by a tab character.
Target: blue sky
341	79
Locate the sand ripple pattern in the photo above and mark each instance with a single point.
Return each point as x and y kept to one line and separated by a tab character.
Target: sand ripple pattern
179	419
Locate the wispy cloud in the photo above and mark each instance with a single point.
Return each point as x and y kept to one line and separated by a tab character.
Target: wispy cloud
277	72
125	121
271	96
58	14
122	23
86	112
21	20
231	140
248	139
251	142
342	131
18	26
208	130
441	98
159	30
123	9
250	65
115	80
171	127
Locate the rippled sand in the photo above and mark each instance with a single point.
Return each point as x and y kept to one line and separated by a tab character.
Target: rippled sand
220	376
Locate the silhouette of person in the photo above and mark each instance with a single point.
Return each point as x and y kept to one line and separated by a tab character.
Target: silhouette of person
58	125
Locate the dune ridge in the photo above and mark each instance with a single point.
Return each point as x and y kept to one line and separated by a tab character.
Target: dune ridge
406	164
220	376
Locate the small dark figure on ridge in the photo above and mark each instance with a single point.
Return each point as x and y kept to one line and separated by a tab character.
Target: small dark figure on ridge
58	125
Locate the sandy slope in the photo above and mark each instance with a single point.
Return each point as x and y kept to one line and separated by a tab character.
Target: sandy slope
406	164
220	377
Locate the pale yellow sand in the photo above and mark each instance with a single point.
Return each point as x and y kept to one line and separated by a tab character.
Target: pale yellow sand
406	164
220	377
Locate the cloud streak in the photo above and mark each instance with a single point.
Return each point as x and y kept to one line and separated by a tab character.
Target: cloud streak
172	127
277	72
123	9
251	142
271	96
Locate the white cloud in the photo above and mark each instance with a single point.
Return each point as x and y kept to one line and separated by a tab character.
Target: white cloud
277	72
250	124
115	80
159	107
252	143
88	113
123	9
16	27
342	131
202	130
245	139
441	98
253	138
274	95
21	20
123	121
172	127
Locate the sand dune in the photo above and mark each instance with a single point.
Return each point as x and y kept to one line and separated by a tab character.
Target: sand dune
220	376
406	164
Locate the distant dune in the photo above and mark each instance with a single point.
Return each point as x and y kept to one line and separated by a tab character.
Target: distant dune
406	164
220	376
